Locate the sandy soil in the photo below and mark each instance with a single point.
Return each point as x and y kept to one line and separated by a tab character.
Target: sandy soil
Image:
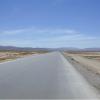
5	56
90	64
89	68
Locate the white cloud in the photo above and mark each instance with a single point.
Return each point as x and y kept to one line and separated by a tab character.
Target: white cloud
49	37
38	31
11	32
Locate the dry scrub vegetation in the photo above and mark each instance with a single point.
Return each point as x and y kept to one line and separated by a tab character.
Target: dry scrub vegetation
10	55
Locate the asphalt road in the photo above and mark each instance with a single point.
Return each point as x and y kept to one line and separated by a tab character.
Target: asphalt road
46	76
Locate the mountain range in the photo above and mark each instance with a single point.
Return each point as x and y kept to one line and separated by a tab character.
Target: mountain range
13	48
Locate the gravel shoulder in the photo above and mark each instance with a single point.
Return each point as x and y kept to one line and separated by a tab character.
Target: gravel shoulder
90	69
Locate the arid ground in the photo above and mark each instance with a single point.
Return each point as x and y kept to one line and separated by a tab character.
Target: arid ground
11	55
88	64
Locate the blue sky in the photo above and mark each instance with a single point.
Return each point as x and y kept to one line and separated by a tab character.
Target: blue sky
50	23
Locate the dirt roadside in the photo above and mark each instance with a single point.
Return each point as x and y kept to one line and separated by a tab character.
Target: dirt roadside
11	55
89	69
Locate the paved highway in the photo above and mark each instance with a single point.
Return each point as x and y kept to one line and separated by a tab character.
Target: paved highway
45	76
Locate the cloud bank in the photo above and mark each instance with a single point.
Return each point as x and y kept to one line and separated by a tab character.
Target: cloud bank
47	37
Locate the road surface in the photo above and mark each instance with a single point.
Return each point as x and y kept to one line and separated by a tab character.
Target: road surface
45	76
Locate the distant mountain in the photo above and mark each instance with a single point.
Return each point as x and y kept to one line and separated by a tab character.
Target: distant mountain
92	49
68	49
78	49
13	48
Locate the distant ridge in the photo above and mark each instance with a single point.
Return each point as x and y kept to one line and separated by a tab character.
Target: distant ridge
92	49
14	48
